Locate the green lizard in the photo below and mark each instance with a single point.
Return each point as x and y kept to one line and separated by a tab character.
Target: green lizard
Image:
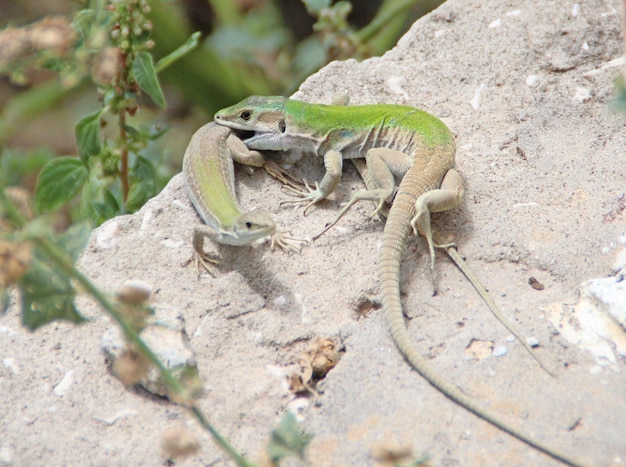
397	142
210	180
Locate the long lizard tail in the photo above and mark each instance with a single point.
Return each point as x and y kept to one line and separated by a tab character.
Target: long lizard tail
395	235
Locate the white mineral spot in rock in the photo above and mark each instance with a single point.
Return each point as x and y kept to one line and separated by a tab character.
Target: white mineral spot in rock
582	94
145	222
440	33
529	204
180	204
6	454
299	299
275	371
514	13
174	244
396	84
280	301
510	338
115	417
9	364
67	381
596	369
495	24
105	238
585	46
256	337
7	330
575	9
532	80
298	407
620	262
499	351
475	102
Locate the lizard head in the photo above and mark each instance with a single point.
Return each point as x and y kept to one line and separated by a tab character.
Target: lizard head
251	226
259	114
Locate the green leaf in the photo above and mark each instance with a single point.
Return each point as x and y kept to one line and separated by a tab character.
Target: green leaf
157	133
46	289
88	135
59	181
190	44
287	439
143	184
143	169
82	23
139	193
47	295
75	238
145	75
97	202
109	207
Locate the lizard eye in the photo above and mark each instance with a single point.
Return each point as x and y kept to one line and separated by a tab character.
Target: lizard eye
249	225
245	115
282	126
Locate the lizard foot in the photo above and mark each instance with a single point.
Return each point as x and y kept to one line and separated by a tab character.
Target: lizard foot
380	209
287	243
280	174
209	261
308	195
372	195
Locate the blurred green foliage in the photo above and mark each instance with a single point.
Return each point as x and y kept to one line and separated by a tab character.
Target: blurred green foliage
115	49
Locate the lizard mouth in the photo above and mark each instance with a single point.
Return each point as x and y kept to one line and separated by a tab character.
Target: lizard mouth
243	135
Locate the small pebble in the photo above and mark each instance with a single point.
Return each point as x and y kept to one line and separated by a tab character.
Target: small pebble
532	341
135	291
499	351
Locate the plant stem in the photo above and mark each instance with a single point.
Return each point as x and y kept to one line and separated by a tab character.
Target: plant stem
238	458
124	156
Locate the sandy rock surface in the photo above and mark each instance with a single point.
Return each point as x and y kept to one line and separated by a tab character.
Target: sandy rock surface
525	88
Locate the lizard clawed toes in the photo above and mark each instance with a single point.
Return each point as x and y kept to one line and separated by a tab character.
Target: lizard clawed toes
308	195
288	243
209	262
280	174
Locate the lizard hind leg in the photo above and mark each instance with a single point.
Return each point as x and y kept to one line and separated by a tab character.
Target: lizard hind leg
447	196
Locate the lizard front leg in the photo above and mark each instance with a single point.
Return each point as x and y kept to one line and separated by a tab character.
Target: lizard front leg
333	163
240	153
208	260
